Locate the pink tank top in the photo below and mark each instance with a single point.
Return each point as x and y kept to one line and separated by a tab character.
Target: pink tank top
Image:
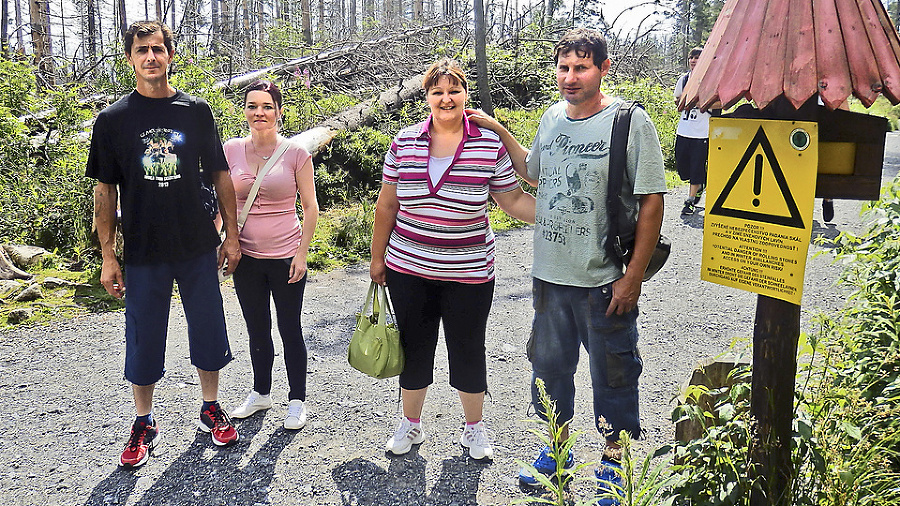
272	229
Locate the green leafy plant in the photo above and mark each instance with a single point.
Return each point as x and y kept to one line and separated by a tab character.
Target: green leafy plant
854	401
350	167
551	435
659	103
713	468
643	484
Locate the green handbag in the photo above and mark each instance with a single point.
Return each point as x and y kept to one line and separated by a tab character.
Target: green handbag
375	347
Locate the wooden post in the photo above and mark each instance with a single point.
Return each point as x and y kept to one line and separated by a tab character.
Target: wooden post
775	336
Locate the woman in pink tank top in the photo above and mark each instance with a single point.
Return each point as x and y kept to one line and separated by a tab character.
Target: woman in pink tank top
274	244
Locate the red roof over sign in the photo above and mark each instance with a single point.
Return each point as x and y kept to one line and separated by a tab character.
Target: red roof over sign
761	49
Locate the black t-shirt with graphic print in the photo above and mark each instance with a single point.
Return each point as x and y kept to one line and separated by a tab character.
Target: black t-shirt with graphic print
160	151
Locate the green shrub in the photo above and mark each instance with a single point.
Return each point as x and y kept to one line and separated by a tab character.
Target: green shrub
306	107
349	168
18	88
47	200
195	76
659	103
857	406
343	236
882	107
550	433
713	468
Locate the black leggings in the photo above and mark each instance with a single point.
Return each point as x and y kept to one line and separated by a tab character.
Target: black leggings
254	280
421	305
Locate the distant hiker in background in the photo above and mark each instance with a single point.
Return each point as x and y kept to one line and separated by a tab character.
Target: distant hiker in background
692	141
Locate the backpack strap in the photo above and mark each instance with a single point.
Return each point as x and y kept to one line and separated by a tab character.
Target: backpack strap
618	154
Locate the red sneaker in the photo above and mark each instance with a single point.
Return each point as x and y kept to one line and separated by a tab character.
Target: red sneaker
215	421
143	438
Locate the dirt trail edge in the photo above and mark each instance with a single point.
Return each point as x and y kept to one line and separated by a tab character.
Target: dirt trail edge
67	409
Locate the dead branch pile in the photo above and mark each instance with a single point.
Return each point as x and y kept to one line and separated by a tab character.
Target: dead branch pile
352	66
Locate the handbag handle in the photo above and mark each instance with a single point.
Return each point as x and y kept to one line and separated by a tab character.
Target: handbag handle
254	190
368	302
381	292
376	298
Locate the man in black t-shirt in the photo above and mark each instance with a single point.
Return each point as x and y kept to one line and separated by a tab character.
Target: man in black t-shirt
157	151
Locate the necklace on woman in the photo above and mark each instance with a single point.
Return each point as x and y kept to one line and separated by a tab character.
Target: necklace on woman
266	158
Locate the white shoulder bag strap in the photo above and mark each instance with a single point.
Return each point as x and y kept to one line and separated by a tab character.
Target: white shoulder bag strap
259	177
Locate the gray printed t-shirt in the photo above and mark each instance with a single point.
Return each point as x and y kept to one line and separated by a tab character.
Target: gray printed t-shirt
570	160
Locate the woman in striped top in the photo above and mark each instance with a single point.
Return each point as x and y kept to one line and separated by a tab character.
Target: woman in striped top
433	246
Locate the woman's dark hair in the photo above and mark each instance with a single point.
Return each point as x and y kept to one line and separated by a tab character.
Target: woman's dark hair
695	52
267	86
445	67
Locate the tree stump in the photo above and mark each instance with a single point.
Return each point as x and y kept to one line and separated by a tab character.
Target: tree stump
713	373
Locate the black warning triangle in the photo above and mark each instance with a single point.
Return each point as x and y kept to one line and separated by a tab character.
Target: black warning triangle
794	220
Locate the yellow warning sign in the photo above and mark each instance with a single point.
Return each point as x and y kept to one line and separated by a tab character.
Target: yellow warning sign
760	189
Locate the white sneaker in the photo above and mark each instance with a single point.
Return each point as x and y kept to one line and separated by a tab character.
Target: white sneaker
475	438
406	435
296	415
254	402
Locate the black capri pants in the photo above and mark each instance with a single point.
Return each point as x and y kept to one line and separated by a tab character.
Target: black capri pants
421	305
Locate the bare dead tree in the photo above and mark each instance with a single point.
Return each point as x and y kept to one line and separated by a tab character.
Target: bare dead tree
351	19
305	21
4	30
39	11
20	37
121	17
215	24
91	33
321	20
387	13
635	50
245	18
373	61
481	64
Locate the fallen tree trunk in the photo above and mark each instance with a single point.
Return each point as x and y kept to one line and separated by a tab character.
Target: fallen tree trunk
8	270
326	55
243	80
359	115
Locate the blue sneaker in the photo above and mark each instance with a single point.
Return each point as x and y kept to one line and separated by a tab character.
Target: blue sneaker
545	465
610	482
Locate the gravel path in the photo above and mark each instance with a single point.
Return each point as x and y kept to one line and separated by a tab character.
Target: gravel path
67	408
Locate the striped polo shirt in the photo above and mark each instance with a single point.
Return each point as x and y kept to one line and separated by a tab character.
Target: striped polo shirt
442	230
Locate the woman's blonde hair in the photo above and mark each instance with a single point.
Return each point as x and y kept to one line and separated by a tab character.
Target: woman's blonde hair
445	67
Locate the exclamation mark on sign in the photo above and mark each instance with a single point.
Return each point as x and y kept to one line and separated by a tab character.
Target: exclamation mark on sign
757	179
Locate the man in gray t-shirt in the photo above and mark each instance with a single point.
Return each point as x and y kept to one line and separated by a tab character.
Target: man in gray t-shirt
570	160
581	298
